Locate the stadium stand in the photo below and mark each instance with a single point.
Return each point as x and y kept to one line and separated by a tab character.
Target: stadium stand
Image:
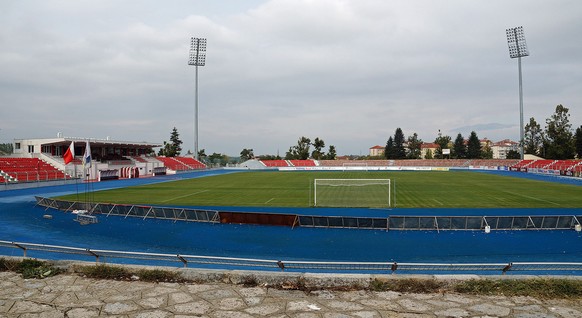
523	163
421	163
564	165
493	162
303	163
541	164
138	159
191	162
28	170
181	163
275	163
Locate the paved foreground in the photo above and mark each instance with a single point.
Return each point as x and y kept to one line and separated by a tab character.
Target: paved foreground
69	295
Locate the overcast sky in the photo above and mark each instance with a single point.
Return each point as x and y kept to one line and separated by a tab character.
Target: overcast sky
348	72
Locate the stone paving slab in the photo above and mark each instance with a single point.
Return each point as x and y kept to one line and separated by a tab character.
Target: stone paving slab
73	296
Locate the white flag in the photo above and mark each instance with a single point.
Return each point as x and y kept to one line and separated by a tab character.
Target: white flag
87	156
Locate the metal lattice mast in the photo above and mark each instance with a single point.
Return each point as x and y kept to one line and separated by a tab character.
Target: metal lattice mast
197	58
518	49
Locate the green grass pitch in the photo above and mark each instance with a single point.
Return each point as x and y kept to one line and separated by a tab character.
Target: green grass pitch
435	189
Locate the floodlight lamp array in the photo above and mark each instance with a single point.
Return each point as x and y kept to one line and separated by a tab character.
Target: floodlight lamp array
197	52
516	42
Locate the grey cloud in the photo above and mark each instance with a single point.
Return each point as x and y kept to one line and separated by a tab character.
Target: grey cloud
349	72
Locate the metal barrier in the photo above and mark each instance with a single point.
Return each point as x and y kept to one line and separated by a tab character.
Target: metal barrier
540	222
393	222
169	213
101	255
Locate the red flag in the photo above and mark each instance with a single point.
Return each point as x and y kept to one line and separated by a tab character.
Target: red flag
70	153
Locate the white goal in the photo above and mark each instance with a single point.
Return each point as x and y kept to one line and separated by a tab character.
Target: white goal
373	193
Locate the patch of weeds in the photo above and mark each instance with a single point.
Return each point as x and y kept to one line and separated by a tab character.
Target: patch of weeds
157	275
377	285
30	268
105	272
249	281
538	287
407	285
8	265
298	284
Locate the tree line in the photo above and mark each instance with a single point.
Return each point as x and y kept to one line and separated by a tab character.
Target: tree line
556	140
302	150
398	147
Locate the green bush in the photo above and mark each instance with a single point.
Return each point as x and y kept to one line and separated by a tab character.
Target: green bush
29	268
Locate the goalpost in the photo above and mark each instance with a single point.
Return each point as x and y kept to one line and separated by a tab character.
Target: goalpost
373	193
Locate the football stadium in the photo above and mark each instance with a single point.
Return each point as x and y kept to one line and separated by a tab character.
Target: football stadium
114	204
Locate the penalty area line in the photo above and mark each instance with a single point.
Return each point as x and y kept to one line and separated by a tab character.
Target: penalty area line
533	198
186	195
271	199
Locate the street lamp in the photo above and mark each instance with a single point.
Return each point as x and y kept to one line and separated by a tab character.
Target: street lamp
518	48
197	58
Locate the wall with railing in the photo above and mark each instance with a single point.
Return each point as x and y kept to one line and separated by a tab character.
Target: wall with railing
104	256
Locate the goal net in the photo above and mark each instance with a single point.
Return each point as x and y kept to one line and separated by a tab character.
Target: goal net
373	193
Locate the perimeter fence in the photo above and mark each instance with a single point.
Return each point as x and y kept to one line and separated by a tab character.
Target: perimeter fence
392	222
103	256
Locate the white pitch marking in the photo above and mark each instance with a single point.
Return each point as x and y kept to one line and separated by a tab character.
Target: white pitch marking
533	198
271	199
187	195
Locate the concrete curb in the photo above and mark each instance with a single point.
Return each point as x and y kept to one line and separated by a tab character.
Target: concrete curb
297	280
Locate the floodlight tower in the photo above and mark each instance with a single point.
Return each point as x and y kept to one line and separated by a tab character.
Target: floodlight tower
197	58
518	48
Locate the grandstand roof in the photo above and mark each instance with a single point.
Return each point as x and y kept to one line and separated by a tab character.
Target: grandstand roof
21	145
93	141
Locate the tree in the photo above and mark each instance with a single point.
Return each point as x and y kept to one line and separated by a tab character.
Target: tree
533	136
389	152
443	142
270	157
512	154
399	151
487	152
459	147
300	151
202	155
559	140
318	144
331	154
6	149
578	142
246	154
428	154
473	146
172	148
414	144
165	149
218	159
